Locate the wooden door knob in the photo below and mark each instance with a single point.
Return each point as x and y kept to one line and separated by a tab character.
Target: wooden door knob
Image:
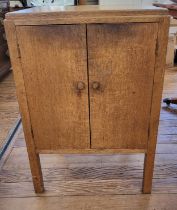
95	85
80	85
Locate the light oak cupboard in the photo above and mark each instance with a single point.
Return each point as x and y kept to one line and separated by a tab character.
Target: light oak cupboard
89	80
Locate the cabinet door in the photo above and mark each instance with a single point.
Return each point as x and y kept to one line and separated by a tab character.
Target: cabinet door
121	60
54	64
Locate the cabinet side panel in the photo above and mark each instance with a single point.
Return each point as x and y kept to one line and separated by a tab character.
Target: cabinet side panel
121	60
156	102
54	60
23	105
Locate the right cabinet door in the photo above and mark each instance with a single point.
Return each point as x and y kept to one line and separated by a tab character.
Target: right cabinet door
121	64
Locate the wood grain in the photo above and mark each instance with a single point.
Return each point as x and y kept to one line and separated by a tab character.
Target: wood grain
156	96
87	187
59	110
74	188
120	107
81	11
23	105
8	107
61	121
86	14
91	151
89	20
116	202
90	169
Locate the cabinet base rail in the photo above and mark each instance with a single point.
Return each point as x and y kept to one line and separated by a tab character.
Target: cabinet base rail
92	151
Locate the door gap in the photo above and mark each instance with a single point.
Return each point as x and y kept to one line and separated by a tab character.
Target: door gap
88	80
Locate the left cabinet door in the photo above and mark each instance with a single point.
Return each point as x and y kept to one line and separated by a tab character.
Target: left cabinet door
54	65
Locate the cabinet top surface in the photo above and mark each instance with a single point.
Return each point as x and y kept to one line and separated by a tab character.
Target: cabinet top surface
73	11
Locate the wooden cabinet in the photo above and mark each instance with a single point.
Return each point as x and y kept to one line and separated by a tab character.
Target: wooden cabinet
89	80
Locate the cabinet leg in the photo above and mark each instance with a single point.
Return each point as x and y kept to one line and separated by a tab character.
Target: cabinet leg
36	172
148	172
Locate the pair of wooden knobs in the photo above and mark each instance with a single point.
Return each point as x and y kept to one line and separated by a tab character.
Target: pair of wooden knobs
81	85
